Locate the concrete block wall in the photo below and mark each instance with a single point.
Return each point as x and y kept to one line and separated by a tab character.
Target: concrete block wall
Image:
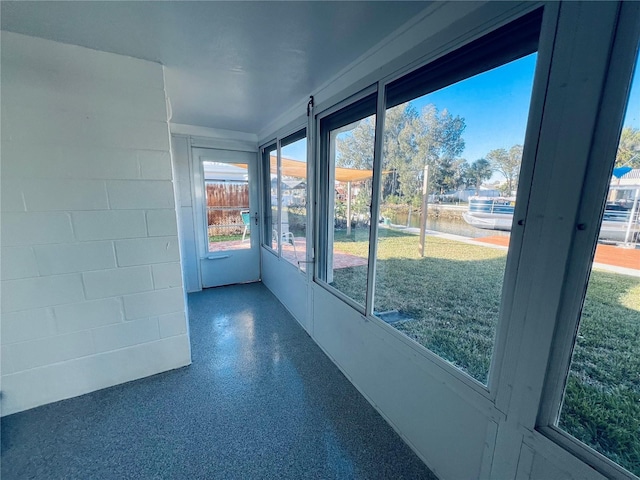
92	291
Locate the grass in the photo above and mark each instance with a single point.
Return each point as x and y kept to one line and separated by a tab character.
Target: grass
452	297
602	399
225	238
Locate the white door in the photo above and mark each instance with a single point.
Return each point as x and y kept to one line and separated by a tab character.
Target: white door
227	220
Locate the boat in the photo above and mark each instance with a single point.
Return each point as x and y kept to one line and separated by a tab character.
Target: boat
617	224
490	213
496	213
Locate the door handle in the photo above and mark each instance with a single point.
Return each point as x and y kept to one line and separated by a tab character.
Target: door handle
255	215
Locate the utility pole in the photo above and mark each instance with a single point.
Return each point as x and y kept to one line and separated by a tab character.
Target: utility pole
632	216
425	203
348	209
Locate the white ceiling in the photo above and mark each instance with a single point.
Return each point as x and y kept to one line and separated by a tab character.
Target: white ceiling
232	65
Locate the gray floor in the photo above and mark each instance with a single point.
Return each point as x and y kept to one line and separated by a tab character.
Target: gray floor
261	400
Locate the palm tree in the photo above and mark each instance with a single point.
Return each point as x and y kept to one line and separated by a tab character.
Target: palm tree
478	172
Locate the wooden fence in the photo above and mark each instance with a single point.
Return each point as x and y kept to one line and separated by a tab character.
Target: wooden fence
225	201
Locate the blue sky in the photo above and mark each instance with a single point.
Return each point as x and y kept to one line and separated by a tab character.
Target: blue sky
632	118
495	106
296	150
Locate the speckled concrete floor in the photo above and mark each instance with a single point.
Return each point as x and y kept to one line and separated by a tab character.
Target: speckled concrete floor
260	401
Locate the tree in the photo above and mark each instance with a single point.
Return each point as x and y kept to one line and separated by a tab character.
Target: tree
354	148
629	148
411	140
438	137
508	164
460	167
477	173
397	147
449	174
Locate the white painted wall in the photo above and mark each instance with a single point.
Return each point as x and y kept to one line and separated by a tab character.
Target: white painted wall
91	280
287	283
188	245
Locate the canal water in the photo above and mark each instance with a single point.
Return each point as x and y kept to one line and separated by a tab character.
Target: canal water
445	225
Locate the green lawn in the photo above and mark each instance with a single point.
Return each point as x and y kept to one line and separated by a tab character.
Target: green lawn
452	297
225	238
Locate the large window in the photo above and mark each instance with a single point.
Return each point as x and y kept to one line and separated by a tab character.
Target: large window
601	404
452	147
284	171
452	161
348	138
293	198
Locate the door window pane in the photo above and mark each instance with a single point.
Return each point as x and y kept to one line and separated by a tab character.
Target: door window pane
270	191
293	201
469	136
601	404
227	194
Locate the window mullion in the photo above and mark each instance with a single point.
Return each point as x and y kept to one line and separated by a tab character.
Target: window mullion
558	239
375	198
279	199
311	189
267	207
552	216
594	191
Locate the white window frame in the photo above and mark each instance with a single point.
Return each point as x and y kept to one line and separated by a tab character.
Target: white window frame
624	55
322	213
265	173
281	139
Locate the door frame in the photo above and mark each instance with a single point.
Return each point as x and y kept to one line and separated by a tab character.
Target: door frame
224	155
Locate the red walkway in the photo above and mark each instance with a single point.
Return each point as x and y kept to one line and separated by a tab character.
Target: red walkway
340	260
606	254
